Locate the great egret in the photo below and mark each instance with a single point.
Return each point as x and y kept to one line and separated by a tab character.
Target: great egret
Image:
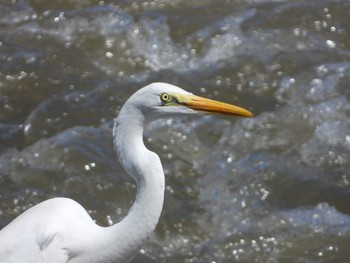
60	230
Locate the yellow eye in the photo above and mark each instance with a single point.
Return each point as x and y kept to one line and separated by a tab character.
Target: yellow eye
165	97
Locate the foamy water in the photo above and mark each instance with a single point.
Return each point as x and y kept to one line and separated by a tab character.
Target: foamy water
274	188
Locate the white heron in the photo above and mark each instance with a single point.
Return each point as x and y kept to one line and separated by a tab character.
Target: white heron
60	230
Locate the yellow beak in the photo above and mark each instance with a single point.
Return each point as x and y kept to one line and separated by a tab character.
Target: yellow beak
203	104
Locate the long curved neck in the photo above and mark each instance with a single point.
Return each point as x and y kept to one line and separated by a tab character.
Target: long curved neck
146	169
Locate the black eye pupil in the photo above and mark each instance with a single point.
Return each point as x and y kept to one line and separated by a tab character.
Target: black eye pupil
165	97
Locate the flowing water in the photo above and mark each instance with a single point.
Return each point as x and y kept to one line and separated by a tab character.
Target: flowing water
274	188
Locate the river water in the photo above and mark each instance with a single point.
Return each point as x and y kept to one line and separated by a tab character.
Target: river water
274	188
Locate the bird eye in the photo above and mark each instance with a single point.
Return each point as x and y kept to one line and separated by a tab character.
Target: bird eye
165	97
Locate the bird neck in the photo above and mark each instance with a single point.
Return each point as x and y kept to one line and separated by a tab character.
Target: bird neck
146	169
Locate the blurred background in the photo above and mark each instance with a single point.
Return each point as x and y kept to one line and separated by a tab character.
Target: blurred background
274	188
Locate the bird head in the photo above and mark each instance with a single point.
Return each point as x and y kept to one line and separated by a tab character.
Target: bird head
166	100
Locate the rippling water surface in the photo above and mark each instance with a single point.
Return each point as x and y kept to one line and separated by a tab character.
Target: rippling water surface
274	188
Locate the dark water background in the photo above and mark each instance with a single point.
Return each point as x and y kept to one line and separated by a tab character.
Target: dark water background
270	189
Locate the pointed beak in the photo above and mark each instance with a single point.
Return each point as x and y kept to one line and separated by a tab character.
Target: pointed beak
207	105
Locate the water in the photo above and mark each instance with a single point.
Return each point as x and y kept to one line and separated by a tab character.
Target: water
274	188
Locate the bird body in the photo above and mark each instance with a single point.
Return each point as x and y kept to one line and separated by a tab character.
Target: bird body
59	230
43	238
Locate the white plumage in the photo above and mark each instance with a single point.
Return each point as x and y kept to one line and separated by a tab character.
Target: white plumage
60	230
